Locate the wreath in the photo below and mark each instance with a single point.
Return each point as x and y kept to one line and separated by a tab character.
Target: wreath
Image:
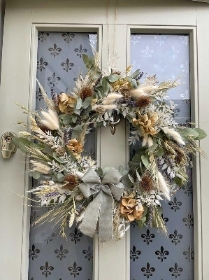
107	200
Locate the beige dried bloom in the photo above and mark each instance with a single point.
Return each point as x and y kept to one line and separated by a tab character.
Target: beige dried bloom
130	208
66	103
146	123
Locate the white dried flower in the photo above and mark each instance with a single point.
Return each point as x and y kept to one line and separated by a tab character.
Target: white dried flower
40	167
163	186
176	136
51	120
104	107
110	98
142	90
149	141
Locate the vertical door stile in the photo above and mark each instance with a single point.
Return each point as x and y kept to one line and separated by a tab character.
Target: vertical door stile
112	258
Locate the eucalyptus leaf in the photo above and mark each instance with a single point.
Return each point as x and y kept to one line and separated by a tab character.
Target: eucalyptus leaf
135	74
113	78
79	103
60	177
74	118
202	133
35	174
134	83
159	152
105	86
126	181
191	132
145	160
87	102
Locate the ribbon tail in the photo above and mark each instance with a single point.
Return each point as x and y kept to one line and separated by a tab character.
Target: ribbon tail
106	218
91	216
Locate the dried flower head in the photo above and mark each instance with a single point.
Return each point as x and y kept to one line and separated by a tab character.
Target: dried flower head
85	92
146	123
66	103
121	85
143	101
50	120
146	183
130	208
75	146
60	151
71	182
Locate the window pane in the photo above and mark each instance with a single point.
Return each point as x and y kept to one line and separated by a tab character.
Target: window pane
153	255
59	63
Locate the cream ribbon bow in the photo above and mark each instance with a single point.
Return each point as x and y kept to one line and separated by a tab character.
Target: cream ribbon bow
100	210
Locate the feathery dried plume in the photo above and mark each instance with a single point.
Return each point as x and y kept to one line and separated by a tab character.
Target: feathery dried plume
110	98
40	167
176	136
142	90
48	101
51	120
149	141
104	107
163	186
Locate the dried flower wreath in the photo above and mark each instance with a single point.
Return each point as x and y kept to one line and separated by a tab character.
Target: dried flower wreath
106	200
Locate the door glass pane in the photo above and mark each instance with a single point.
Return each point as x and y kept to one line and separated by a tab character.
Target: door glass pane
51	256
154	255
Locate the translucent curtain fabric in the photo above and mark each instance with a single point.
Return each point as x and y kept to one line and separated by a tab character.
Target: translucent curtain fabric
50	255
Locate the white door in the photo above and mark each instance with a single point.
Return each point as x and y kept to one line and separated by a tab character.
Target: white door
113	23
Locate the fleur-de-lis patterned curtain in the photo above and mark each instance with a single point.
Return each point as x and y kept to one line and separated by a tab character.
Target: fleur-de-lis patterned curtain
154	255
51	256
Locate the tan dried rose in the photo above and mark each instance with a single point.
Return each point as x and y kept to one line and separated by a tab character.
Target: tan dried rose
146	123
66	103
130	208
75	146
71	182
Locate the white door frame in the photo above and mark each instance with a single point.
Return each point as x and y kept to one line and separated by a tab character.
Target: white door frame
23	19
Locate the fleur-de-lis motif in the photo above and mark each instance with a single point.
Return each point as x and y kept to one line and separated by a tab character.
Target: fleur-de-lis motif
134	224
41	64
68	37
39	95
53	80
165	219
175	204
42	36
74	269
189	254
176	270
33	252
148	270
67	65
189	222
55	50
88	253
147	52
175	237
48	237
46	269
134	255
188	189
80	51
148	236
162	253
76	235
61	252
